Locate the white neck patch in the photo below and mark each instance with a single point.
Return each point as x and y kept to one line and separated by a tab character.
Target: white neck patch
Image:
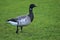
30	8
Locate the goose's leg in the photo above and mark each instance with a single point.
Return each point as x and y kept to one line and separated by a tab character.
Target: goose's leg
17	29
21	28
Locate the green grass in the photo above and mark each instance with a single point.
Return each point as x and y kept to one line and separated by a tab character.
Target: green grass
46	25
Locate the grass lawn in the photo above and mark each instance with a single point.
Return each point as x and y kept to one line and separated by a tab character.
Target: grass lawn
46	25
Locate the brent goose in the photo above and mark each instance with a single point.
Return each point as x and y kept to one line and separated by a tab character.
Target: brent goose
23	20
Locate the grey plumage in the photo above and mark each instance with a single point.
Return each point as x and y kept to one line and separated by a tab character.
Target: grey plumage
24	20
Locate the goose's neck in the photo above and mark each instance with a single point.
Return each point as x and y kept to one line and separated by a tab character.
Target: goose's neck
31	14
30	10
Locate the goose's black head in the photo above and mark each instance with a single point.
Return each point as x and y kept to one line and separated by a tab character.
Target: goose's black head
32	5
